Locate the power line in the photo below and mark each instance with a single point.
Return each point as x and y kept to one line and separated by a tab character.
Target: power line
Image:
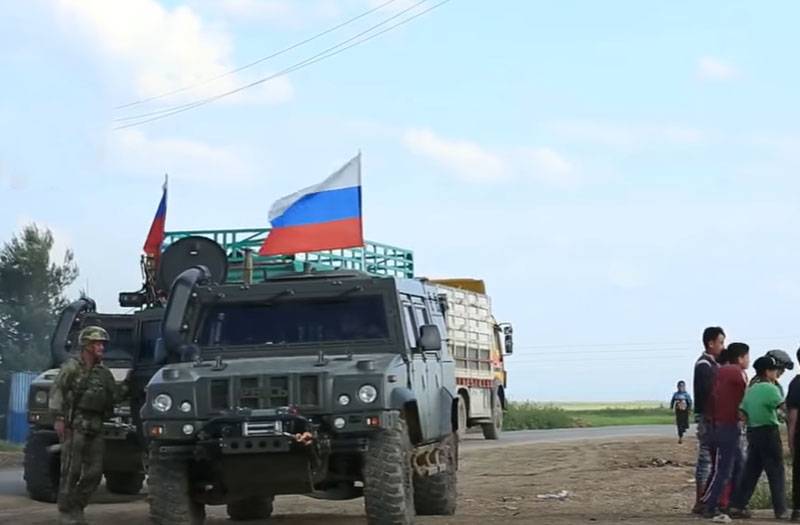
695	343
294	67
301	65
256	62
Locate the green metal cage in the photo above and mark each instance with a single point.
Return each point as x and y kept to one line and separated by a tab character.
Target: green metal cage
373	258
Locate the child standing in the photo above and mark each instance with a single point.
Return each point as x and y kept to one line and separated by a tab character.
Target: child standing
682	404
765	450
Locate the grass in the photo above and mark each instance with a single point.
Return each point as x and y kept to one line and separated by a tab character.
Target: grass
527	415
5	446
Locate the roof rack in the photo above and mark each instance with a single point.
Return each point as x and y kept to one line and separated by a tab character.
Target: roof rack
373	258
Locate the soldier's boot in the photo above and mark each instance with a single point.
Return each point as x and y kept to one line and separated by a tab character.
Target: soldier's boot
73	517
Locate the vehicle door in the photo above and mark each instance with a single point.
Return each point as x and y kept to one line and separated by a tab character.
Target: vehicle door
433	373
418	367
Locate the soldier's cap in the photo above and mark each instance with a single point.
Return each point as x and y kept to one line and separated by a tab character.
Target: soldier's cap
782	358
92	333
766	362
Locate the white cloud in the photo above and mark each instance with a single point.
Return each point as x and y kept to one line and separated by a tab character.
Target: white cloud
180	158
163	49
548	165
711	68
473	162
466	159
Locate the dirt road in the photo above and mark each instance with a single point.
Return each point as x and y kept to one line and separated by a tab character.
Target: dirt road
638	480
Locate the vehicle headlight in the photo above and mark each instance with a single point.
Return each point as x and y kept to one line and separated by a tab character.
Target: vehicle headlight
162	403
367	394
41	397
185	407
344	400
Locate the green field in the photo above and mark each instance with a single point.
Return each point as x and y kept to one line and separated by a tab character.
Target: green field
528	415
5	446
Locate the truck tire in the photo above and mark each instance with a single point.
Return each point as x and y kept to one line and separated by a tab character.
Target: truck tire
388	484
42	468
463	417
437	495
169	491
492	430
124	482
255	508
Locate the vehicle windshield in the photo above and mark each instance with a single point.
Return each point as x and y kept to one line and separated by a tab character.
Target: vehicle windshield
295	322
120	346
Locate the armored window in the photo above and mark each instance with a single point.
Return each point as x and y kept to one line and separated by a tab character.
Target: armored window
301	321
411	330
422	316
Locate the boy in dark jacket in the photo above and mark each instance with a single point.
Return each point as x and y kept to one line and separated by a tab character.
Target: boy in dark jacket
681	403
793	409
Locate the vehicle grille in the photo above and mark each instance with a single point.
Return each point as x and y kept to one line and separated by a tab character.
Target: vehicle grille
260	392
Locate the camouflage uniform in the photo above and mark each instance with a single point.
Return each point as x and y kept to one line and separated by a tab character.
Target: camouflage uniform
84	397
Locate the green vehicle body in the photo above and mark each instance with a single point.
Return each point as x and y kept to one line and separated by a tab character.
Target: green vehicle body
354	362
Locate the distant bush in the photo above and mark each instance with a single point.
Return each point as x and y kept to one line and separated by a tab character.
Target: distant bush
530	416
527	415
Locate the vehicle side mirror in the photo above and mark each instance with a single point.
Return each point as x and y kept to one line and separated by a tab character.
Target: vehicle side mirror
508	339
430	340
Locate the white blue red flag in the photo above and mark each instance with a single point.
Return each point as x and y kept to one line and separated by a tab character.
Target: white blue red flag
155	238
326	216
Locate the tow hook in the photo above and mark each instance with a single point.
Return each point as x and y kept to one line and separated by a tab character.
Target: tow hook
305	438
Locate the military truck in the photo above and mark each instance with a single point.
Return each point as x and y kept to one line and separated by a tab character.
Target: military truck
129	356
479	345
123	468
321	374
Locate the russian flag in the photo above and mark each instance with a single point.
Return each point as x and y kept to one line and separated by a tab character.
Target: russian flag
155	238
326	216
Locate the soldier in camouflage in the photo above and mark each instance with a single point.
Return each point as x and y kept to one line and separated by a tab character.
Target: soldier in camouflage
82	398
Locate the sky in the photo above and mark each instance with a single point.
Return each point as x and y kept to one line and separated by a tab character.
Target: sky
621	174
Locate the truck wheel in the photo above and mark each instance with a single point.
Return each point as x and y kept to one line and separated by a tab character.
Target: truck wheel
42	468
492	430
463	422
169	491
255	508
388	485
124	482
436	495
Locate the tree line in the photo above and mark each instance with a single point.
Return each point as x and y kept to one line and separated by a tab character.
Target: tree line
32	295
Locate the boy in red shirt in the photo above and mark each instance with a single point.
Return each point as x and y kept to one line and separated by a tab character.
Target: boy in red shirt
730	384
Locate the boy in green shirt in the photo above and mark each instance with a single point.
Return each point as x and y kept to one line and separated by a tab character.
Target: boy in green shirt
765	450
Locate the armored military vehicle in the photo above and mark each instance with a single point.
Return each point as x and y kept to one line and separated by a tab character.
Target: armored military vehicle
129	356
130	335
322	374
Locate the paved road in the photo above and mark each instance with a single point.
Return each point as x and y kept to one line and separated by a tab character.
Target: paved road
11	483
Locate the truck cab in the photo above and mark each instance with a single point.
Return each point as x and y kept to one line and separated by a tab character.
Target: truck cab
329	382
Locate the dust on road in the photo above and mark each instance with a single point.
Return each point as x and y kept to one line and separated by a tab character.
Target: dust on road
635	480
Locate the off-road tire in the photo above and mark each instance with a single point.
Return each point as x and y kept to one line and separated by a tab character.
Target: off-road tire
169	491
495	428
463	417
42	468
388	483
256	508
437	495
124	482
